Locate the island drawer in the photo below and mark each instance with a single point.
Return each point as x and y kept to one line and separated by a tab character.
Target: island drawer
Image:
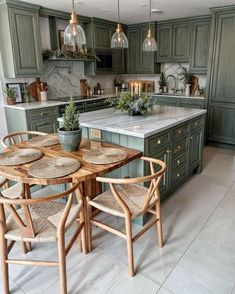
156	142
179	160
48	112
178	174
180	131
197	123
179	146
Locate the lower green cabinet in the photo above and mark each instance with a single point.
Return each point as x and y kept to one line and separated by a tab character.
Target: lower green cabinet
195	143
179	101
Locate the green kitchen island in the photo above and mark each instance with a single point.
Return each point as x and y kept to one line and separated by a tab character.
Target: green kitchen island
172	134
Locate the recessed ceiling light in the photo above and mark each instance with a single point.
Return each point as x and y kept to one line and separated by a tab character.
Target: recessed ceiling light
155	10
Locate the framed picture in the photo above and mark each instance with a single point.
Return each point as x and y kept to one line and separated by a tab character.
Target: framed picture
19	90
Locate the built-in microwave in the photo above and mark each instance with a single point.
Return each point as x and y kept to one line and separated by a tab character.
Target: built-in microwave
105	60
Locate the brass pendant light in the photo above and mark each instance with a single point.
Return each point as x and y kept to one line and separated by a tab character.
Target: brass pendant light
149	43
74	34
119	39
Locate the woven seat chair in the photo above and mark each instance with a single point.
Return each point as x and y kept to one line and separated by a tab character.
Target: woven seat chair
128	199
40	220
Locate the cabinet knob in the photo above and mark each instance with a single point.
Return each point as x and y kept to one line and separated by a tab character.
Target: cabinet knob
179	132
168	151
178	175
43	113
159	141
178	161
179	146
191	138
196	123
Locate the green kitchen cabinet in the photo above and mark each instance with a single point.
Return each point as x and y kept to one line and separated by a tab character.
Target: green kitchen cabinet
20	39
174	42
169	101
119	61
102	36
222	123
200	39
221	86
192	103
179	101
41	119
164	41
139	61
195	156
133	51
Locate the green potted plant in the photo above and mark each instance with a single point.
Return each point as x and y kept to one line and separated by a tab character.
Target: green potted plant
133	105
11	96
186	77
162	83
70	133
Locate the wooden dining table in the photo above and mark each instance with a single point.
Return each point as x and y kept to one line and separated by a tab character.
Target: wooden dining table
86	174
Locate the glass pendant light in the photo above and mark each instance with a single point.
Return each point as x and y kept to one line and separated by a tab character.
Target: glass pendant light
119	39
74	34
149	43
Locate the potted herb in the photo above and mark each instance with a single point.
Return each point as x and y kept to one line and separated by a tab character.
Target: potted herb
133	105
162	83
186	77
11	96
70	133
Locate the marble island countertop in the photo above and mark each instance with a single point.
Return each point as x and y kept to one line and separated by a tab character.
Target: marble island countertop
54	102
143	126
179	96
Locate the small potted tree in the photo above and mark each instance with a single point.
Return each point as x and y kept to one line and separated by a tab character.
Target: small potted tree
11	96
162	83
70	133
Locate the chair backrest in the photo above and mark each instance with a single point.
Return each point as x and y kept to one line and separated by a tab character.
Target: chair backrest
24	221
154	178
18	137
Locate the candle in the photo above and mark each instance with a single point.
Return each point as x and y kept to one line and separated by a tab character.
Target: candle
136	89
132	90
139	89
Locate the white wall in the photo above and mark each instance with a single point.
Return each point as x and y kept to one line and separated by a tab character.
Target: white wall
3	126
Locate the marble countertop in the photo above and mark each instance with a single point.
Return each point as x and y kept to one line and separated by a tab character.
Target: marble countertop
50	103
179	96
153	122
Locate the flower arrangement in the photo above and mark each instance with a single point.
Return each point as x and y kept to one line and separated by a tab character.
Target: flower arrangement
134	105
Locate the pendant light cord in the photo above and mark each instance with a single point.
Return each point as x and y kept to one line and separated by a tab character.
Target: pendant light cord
118	13
150	8
73	7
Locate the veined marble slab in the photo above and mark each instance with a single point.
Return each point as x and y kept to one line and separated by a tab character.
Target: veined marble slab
179	96
50	103
143	126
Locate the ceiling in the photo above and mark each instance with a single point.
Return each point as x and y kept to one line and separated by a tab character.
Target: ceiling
135	11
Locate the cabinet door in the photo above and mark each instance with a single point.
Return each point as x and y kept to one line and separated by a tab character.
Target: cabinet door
190	103
119	61
195	149
25	40
47	126
222	123
164	41
133	51
223	86
181	42
200	46
146	58
168	101
102	36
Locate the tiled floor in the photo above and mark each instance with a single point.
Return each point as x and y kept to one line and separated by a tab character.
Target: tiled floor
198	256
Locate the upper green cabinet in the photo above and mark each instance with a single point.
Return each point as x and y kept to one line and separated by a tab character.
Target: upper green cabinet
200	40
102	36
139	61
173	40
20	39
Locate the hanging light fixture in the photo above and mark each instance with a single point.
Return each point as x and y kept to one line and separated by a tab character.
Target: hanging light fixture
119	39
149	43
74	34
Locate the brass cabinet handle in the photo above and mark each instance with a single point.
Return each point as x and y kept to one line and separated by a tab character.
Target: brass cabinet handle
191	138
168	151
179	146
159	141
178	161
178	175
179	132
196	124
43	113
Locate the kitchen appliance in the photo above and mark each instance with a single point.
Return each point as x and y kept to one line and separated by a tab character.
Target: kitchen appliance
105	60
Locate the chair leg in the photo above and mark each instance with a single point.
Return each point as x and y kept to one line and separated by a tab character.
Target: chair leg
4	265
159	224
62	265
88	224
83	232
129	245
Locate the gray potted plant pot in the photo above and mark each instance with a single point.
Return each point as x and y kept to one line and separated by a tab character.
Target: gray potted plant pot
70	134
